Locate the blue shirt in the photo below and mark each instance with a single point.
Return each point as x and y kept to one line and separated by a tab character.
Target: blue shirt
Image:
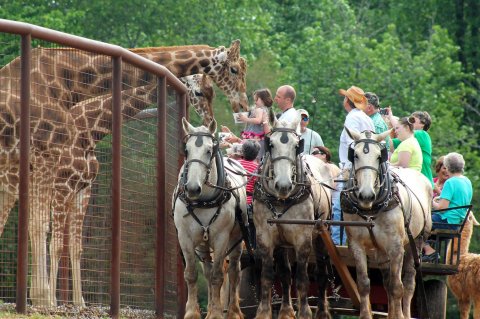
457	190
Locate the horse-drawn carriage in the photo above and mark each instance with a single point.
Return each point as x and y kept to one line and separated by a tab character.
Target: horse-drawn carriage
291	207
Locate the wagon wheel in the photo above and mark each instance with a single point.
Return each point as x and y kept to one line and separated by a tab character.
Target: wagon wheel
436	293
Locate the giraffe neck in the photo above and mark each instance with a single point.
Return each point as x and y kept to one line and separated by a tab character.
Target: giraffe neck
188	60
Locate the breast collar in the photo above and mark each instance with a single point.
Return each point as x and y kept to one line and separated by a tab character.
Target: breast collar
387	197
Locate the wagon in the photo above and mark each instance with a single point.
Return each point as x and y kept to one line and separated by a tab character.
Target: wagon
343	293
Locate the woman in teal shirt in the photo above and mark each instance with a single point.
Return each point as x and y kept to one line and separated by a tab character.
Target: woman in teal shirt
457	191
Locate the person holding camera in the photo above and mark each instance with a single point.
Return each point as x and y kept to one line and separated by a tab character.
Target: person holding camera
373	110
421	124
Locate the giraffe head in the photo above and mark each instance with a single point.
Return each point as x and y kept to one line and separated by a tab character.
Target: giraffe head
200	95
223	65
231	77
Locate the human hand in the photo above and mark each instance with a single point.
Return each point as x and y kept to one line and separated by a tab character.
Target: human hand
225	129
242	117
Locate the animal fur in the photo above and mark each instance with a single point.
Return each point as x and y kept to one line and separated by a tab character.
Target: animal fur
464	285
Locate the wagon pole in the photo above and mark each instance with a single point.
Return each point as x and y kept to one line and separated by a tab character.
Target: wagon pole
343	272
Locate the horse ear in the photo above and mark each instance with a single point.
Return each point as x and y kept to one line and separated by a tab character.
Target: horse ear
380	137
212	126
353	134
187	127
234	51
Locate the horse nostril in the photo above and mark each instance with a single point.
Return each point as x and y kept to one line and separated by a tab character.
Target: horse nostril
366	197
194	190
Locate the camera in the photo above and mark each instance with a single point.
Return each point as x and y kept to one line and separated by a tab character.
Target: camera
383	111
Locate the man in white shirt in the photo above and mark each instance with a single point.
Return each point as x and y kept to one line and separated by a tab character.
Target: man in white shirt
355	103
310	137
285	97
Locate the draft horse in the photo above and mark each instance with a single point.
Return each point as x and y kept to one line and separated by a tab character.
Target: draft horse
398	200
290	188
209	206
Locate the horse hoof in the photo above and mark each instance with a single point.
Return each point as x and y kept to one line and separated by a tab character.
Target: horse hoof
286	313
192	315
323	315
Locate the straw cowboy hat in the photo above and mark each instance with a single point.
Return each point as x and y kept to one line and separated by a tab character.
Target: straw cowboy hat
356	95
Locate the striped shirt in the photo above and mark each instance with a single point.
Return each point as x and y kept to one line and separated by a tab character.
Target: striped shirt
250	167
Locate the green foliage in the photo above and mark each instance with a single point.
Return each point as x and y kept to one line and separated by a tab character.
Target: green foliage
414	55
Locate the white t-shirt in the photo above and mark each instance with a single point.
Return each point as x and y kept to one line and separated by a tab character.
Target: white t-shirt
359	121
291	115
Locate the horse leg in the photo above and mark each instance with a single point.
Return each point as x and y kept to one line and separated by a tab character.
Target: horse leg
322	260
264	310
395	287
303	252
408	278
192	309
234	311
220	247
363	281
386	283
285	274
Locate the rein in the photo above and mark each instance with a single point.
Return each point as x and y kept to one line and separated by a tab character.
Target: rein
262	192
223	192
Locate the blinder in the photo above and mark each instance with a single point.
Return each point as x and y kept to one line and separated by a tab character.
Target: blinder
383	150
268	147
216	144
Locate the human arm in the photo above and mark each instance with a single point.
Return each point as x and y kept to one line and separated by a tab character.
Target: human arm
404	158
440	203
231	138
257	119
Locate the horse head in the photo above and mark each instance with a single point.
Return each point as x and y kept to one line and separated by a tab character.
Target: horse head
200	149
367	155
284	146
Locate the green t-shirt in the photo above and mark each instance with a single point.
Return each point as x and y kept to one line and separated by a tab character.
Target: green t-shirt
409	145
425	143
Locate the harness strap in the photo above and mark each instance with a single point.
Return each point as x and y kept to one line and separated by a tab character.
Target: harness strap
206	229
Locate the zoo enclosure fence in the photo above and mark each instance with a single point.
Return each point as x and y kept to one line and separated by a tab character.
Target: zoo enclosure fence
128	238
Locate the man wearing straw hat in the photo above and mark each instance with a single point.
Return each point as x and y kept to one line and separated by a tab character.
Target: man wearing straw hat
355	103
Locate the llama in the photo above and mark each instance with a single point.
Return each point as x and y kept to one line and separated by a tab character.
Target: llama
464	285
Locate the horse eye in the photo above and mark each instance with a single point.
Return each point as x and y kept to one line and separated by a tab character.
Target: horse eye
233	70
198	93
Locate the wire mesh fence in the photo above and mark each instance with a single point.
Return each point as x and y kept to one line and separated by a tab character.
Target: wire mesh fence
70	221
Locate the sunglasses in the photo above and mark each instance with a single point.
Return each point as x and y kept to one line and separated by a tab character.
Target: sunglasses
305	119
318	152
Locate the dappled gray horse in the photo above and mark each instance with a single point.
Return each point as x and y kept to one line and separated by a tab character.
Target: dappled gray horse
291	189
209	207
399	201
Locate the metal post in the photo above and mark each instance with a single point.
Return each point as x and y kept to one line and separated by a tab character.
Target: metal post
162	221
116	186
23	202
181	286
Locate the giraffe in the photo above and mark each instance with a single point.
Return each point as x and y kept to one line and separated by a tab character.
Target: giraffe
51	132
79	166
66	77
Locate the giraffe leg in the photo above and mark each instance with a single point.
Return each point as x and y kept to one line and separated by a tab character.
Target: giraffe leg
76	248
38	228
7	200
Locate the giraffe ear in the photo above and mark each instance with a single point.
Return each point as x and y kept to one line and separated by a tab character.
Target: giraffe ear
234	51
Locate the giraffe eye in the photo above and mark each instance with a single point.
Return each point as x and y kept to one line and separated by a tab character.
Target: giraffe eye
233	70
198	94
